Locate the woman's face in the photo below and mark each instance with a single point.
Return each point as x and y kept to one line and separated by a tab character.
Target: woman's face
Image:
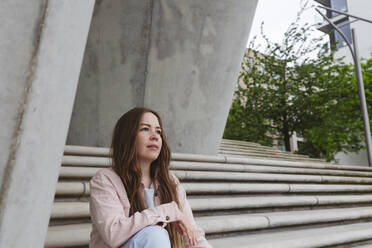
148	140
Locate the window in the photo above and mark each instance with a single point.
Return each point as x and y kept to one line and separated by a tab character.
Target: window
340	5
250	62
336	39
281	145
262	68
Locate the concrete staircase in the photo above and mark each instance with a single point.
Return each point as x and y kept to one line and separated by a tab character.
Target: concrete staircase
250	149
238	201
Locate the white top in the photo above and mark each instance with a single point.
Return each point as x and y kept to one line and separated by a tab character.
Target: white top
149	196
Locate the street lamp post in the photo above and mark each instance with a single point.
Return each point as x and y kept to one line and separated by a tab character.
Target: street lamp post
358	73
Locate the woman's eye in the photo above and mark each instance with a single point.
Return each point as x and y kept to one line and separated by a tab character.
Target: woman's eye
144	129
158	132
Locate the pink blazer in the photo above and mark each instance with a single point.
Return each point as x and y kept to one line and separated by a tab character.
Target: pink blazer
109	211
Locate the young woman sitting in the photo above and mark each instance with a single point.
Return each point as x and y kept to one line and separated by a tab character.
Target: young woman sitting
138	202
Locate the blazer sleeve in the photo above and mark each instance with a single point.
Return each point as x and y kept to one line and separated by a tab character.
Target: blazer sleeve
108	216
186	209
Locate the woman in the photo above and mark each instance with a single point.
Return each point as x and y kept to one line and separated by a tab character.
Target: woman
137	202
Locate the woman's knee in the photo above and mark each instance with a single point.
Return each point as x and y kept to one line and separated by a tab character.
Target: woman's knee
156	236
149	237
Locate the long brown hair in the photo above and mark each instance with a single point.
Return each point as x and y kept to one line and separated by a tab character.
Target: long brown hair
124	162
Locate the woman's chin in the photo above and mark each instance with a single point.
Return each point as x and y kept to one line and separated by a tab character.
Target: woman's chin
150	157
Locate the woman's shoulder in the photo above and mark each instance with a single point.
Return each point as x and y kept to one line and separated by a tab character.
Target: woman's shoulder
106	172
107	175
174	177
107	181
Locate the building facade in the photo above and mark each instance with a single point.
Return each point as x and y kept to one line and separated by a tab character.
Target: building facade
360	8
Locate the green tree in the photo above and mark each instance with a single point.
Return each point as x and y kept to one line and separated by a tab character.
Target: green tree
285	90
337	125
340	127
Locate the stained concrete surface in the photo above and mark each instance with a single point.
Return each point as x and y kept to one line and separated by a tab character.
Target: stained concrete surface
181	58
40	61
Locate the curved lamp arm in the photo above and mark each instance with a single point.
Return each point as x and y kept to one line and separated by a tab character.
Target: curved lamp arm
339	31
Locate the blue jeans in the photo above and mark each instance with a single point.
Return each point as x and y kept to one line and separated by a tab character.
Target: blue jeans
149	237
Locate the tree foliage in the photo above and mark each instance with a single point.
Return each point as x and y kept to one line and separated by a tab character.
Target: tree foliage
287	89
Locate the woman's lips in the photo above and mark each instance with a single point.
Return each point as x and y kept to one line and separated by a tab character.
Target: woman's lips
153	147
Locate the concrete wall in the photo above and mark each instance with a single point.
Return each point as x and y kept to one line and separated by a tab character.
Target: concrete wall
353	158
40	58
361	8
180	58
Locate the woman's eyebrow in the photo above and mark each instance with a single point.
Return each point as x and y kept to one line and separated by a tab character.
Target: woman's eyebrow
145	124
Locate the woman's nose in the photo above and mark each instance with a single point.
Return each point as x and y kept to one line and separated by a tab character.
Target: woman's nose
154	136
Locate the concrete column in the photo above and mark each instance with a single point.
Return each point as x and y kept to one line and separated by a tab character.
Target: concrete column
41	52
181	58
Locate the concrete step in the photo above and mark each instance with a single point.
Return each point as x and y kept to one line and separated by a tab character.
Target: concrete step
255	188
256	149
81	189
331	236
70	210
84	171
260	149
104	152
268	154
184	175
239	142
233	196
369	245
242	148
265	150
87	151
249	145
279	169
104	162
245	222
271	156
253	146
229	223
74	235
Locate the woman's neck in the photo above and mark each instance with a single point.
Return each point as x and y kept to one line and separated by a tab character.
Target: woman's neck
146	178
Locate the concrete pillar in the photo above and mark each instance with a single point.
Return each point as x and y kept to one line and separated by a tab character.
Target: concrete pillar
181	58
41	52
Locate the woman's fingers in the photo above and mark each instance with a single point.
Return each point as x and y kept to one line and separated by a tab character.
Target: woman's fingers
179	227
192	238
185	226
191	235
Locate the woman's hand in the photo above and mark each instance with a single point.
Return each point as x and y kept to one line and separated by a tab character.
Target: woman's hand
183	226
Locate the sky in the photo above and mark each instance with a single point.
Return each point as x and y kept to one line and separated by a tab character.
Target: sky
277	15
